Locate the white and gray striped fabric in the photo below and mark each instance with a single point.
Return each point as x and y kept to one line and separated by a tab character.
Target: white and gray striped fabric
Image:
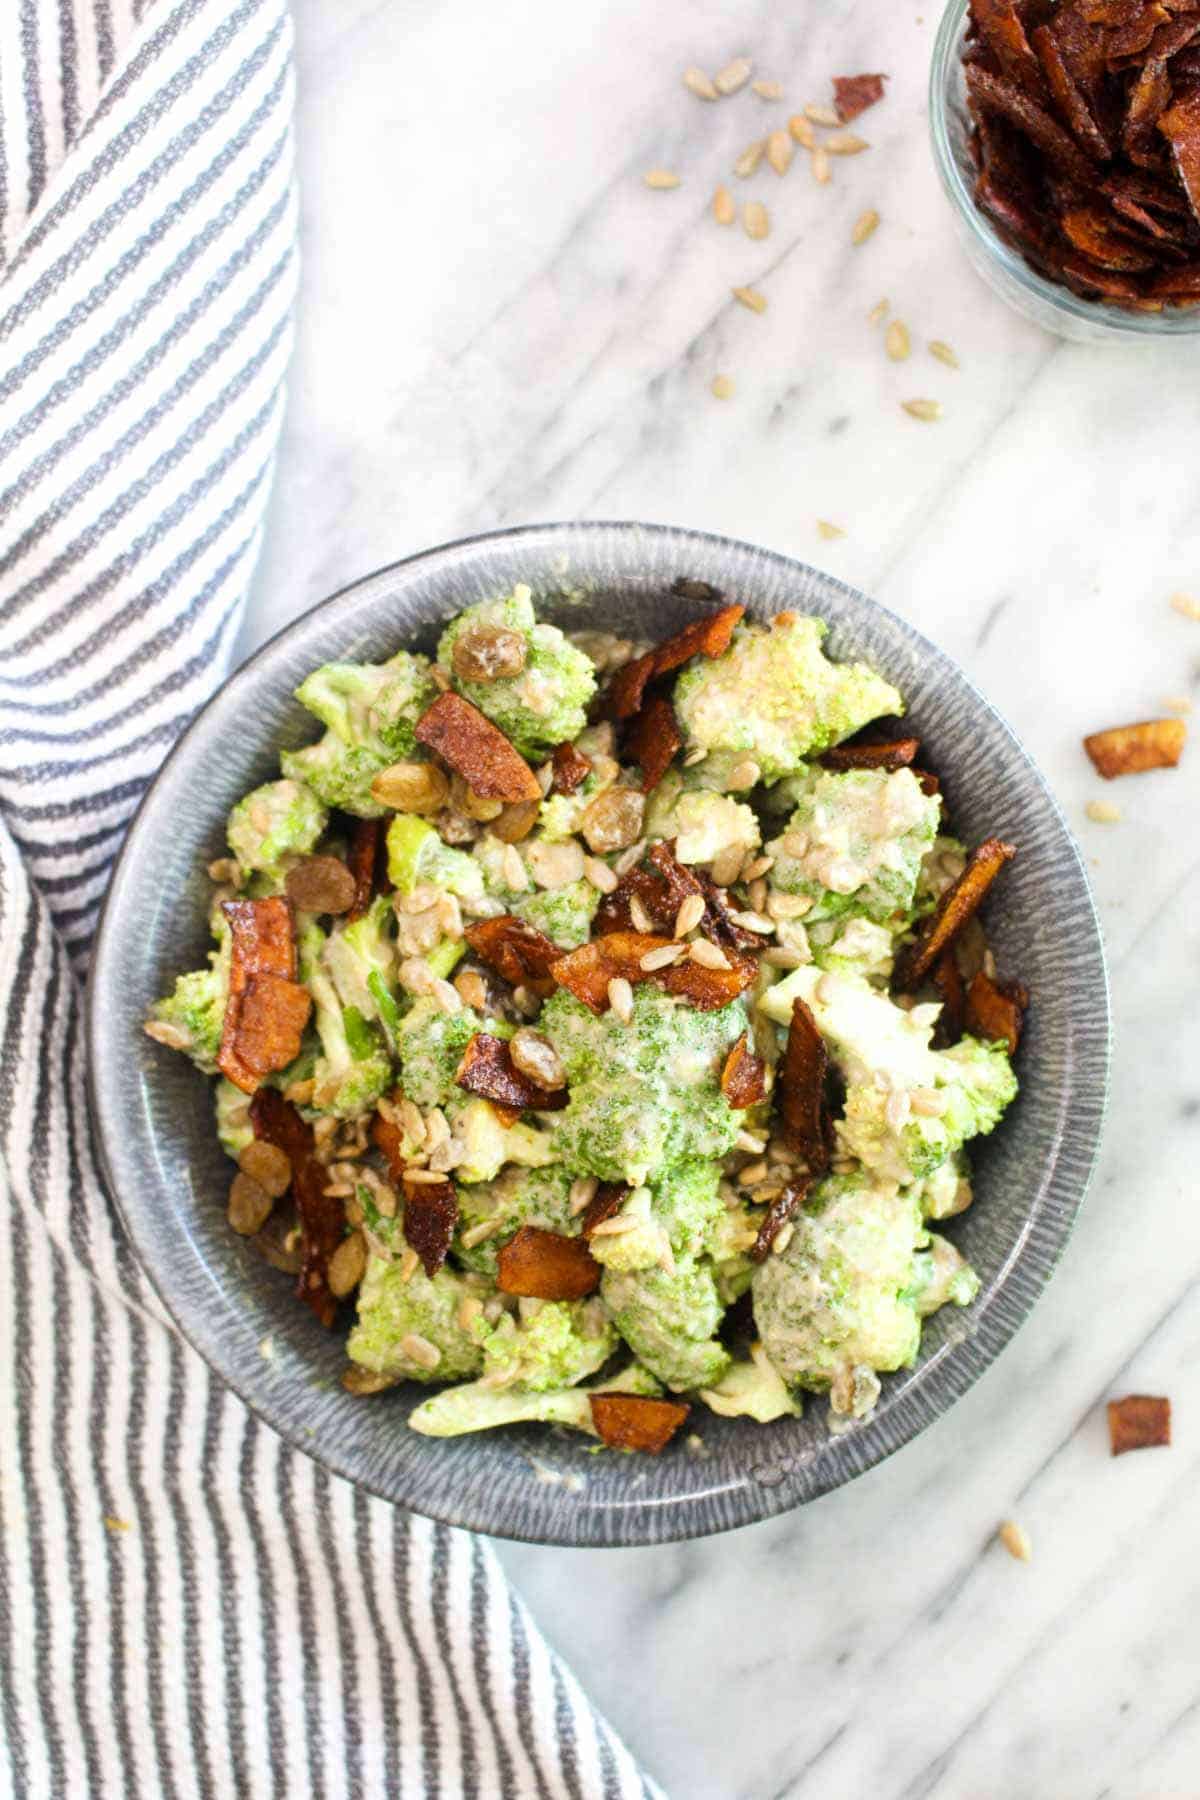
186	1606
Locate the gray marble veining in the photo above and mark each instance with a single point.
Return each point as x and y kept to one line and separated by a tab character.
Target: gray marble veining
499	323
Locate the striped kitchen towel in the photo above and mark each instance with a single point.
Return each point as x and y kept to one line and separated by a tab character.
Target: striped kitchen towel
186	1606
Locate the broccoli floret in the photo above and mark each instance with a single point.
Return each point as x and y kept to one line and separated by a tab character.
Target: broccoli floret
479	1408
191	1017
564	914
417	857
942	1277
853	946
703	824
483	1144
677	1214
278	820
371	712
353	1068
233	1118
729	1240
752	1390
361	957
908	1107
393	1305
519	1197
669	1319
840	1297
544	705
431	1045
947	1191
774	697
855	842
644	1095
556	1344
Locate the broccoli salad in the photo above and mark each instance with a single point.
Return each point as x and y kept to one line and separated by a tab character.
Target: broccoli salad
604	1025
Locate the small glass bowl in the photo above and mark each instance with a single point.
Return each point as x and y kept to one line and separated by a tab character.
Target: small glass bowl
1044	302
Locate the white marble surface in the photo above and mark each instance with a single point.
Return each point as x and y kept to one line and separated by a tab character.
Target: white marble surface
499	324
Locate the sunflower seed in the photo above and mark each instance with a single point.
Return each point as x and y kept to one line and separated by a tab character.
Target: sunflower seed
756	219
780	151
724	207
423	1177
706	955
418	1349
1177	703
782	1239
878	312
750	297
753	1173
1015	1541
639	918
820	165
409	1265
734	75
827	530
661	178
599	874
865	224
690	913
620	998
767	90
778	958
746	1140
745	774
943	352
479	1234
723	387
844	143
802	131
615	1227
1187	605
700	84
822	115
897	342
754	921
750	158
1103	812
928	411
662	958
581	1194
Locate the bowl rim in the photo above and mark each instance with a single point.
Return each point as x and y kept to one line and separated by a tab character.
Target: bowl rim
1115	322
960	1363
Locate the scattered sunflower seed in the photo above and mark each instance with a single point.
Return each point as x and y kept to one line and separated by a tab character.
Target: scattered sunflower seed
878	312
708	956
1186	604
780	151
820	165
1177	703
752	298
845	143
828	530
750	158
724	207
943	352
599	874
662	958
802	131
928	411
822	115
691	911
755	218
661	178
1103	812
700	84
768	90
1015	1540
783	1238
695	756
734	75
723	387
897	342
864	227
620	998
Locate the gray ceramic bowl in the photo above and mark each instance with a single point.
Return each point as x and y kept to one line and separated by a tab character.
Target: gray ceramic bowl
169	1177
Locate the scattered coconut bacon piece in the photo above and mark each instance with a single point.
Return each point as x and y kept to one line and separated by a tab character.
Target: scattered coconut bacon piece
744	1076
800	1084
430	1215
544	1265
947	981
652	740
586	972
1180	125
322	1216
487	1068
898	755
710	636
364	859
519	952
632	1422
959	903
571	769
780	1211
605	1203
477	750
853	94
1139	1422
995	1010
267	1009
1132	749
